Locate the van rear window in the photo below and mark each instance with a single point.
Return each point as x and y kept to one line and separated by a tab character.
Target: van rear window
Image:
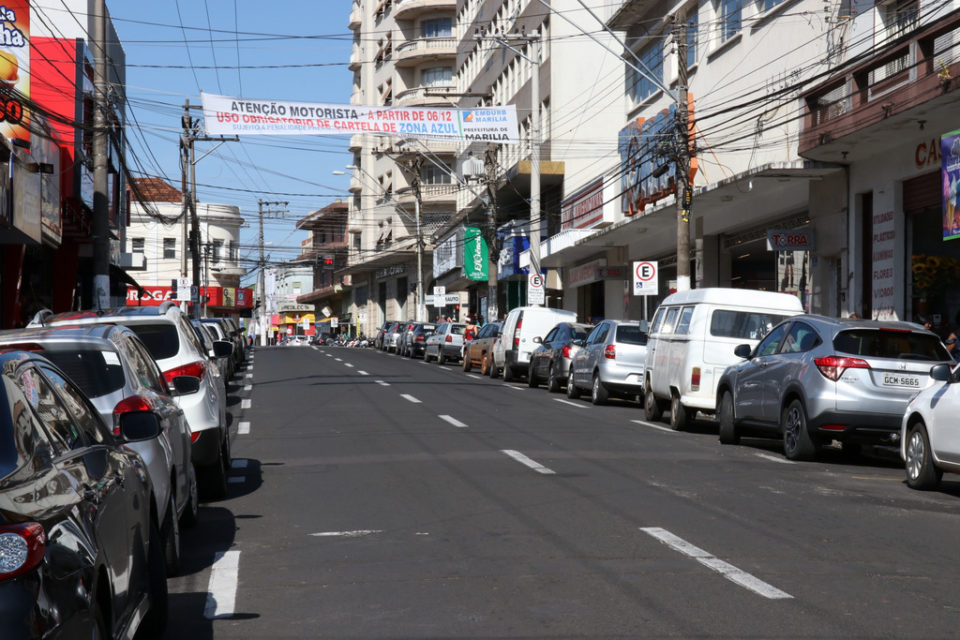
745	325
900	345
631	335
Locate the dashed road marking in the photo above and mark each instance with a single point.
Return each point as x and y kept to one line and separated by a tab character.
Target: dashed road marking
346	534
348	364
248	376
727	570
236	479
407	396
222	588
767	456
248	387
382	383
578	405
658	427
245	403
363	373
473	375
239	463
452	421
510	386
243	428
522	459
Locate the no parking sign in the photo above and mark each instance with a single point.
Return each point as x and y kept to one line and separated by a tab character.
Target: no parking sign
645	278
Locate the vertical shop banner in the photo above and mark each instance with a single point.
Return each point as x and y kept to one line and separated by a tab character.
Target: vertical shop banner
227	116
884	272
476	255
15	69
950	174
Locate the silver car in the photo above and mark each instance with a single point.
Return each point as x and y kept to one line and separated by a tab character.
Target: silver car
610	362
116	372
446	343
814	379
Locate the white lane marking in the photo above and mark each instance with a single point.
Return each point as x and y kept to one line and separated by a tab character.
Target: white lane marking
222	588
767	456
510	386
236	479
452	421
249	375
382	383
339	359
245	403
363	373
578	405
522	459
708	560
407	396
473	375
248	387
346	534
239	463
348	364
329	355
243	428
654	426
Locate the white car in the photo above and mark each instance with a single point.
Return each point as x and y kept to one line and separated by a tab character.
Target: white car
929	437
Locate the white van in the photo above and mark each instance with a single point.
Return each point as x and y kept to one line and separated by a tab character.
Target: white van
521	326
691	341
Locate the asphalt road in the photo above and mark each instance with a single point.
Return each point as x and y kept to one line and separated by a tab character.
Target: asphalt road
379	497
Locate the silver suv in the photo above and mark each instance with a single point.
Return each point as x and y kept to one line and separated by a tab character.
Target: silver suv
610	363
813	380
173	343
116	372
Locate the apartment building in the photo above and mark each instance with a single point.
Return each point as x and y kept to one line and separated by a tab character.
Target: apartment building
404	52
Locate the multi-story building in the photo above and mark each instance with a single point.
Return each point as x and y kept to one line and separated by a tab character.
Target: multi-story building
159	257
404	52
326	248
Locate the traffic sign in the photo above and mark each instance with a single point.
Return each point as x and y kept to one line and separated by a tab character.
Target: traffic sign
645	278
439	296
536	293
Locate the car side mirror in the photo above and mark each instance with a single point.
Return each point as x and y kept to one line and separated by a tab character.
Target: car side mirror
538	340
222	349
743	351
183	385
941	373
136	426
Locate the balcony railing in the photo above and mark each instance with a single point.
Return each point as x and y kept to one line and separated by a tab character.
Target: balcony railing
418	96
409	9
429	194
412	51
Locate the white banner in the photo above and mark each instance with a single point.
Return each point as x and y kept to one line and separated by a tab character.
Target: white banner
227	116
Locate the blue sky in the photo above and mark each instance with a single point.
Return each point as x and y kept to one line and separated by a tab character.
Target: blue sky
186	46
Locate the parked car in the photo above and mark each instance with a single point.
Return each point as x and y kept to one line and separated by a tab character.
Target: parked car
171	340
479	351
929	441
692	338
446	343
814	379
392	337
116	372
227	329
210	335
378	340
520	327
551	360
415	340
80	550
401	347
610	362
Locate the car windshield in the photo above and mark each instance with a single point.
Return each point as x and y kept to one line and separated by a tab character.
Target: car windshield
95	371
886	343
630	334
160	339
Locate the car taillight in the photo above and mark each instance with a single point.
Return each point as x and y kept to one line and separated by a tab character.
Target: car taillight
695	379
832	367
21	548
449	338
196	369
610	352
420	338
194	436
565	351
128	404
516	334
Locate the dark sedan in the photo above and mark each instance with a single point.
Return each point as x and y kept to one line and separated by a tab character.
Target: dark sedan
80	552
550	361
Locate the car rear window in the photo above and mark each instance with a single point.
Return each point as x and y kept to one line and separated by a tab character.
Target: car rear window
96	372
627	334
160	339
746	325
900	345
457	329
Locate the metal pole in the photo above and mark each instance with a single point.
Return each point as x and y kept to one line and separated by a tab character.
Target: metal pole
263	280
184	160
194	229
101	223
682	163
421	307
535	154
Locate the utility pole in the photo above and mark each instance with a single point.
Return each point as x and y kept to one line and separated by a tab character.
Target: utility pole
101	213
421	306
682	176
493	241
534	61
262	323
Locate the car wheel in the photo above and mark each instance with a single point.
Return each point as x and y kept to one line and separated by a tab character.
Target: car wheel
532	377
156	618
797	444
652	409
484	365
215	478
466	364
171	538
921	472
679	415
572	391
599	393
192	512
507	373
728	428
492	369
553	380
441	359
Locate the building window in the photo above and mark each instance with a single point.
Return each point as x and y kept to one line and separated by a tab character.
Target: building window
436	28
693	29
766	5
730	18
642	87
136	245
432	174
437	77
217	251
900	17
169	247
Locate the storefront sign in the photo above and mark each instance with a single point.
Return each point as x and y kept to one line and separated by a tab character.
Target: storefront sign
584	209
475	254
790	240
15	69
228	116
583	274
216	296
950	175
884	279
509	264
392	270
